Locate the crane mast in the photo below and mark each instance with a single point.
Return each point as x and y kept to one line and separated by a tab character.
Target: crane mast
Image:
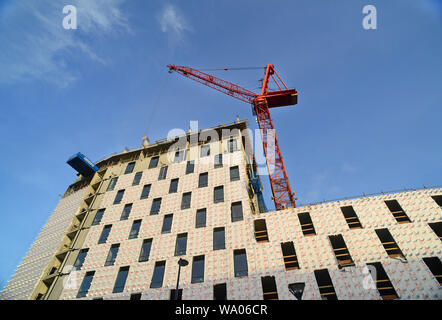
282	193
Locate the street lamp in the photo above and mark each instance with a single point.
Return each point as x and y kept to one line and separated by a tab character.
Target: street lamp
181	263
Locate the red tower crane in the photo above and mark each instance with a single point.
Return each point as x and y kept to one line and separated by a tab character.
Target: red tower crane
279	181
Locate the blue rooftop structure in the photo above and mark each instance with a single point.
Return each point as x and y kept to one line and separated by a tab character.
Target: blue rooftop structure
82	164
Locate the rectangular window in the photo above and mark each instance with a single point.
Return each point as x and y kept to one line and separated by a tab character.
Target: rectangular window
112	184
156	205
220	291
306	224
437	228
240	263
145	250
181	244
218	161
80	259
198	269
219	238
163	173
325	285
135	229
435	267
234	173
135	296
173	294
351	217
137	178
200	218
232	145
126	211
269	290
218	194
261	234
112	255
236	211
167	223
185	201
205	150
85	284
203	180
98	217
190	166
119	196
438	200
341	251
179	156
289	255
397	211
390	245
154	162
158	274
121	279
105	234
173	188
383	283
130	167
145	192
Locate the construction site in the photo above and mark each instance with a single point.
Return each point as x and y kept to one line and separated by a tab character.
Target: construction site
189	222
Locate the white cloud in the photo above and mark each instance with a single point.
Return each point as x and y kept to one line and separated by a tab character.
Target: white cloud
35	46
173	23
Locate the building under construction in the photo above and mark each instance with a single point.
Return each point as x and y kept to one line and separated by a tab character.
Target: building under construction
122	226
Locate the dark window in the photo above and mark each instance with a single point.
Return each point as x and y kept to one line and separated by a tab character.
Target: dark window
179	156
325	285
205	150
397	211
112	184
163	173
198	269
126	211
351	217
289	256
437	228
240	263
232	145
185	201
80	259
261	234
121	280
112	255
340	250
203	180
156	205
200	218
137	178
153	162
105	234
269	290
85	284
218	194
173	294
219	238
135	229
130	168
158	274
98	217
234	173
383	283
236	211
173	188
145	192
119	196
190	166
135	296
438	200
306	224
435	267
218	161
145	250
390	245
167	223
181	244
220	291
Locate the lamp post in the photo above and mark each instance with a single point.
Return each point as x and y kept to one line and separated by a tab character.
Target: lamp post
181	263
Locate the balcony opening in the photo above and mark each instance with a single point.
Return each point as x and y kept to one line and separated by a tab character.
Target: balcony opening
341	251
351	217
397	211
261	234
289	256
390	245
269	289
306	224
383	283
325	285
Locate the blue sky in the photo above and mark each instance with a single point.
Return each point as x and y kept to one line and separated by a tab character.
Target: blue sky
368	117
